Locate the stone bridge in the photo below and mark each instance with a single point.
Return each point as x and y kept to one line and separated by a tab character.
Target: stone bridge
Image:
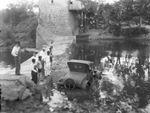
55	21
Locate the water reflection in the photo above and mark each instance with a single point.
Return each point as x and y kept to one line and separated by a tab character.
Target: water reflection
124	49
127	60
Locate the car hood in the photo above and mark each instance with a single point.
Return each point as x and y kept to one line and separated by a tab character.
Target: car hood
77	77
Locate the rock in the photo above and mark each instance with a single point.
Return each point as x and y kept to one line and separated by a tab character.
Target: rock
26	94
11	92
26	81
17	89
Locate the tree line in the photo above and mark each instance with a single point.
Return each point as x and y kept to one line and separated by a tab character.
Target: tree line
20	22
118	15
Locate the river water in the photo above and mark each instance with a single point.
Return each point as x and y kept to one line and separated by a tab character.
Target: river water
117	93
129	52
94	51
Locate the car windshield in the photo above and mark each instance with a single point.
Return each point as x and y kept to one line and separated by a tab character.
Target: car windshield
77	67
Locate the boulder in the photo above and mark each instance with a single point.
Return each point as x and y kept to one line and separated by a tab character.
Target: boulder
19	88
25	94
12	91
26	81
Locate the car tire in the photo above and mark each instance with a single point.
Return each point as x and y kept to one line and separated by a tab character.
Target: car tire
69	84
85	85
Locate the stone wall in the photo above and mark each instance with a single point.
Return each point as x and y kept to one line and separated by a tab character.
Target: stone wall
1	20
55	20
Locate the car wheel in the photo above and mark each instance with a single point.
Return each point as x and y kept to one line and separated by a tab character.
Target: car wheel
85	85
69	84
88	86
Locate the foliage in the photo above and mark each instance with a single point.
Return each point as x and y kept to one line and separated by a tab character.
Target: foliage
127	32
107	86
115	16
134	31
115	29
20	24
15	13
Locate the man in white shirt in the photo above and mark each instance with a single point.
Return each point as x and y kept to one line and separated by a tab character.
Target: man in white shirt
16	53
43	54
35	57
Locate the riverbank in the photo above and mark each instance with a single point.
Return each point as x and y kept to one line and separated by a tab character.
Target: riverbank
97	34
111	37
84	103
60	47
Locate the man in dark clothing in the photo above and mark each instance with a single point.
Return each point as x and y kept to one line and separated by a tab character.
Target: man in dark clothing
34	71
118	57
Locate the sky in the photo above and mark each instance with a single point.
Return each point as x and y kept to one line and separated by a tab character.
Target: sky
4	3
106	1
109	1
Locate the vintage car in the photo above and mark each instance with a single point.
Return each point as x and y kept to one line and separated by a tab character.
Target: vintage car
80	75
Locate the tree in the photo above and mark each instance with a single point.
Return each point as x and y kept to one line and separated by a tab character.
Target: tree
17	12
20	24
142	9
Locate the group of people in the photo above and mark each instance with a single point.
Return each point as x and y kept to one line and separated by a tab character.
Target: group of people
41	64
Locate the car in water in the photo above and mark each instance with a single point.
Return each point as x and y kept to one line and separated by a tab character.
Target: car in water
79	76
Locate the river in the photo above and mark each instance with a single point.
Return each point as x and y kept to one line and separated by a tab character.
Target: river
130	51
93	51
90	51
98	49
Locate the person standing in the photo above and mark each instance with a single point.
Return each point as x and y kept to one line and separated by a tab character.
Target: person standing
51	58
47	64
35	56
118	57
39	66
16	53
42	54
34	71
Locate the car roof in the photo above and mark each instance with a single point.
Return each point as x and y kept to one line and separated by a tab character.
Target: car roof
81	62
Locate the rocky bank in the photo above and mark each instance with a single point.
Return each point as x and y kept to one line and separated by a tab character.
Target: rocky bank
22	92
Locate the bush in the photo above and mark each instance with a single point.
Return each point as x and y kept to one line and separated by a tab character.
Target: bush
128	32
133	32
115	29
